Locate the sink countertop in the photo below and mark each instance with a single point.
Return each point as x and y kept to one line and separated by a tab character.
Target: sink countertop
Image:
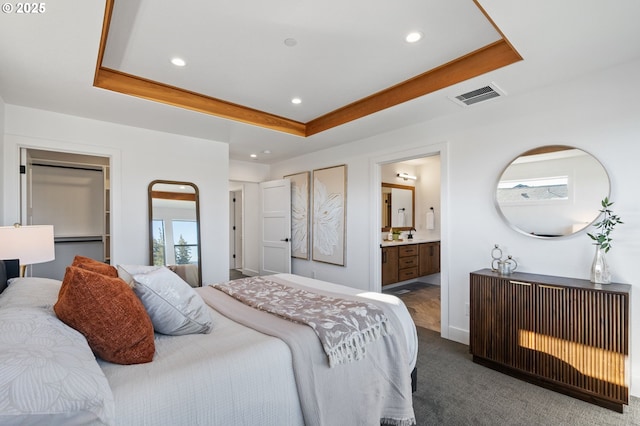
387	243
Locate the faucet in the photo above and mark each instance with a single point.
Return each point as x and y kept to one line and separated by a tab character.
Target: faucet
410	236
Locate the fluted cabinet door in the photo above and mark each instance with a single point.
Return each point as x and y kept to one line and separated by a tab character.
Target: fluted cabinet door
500	311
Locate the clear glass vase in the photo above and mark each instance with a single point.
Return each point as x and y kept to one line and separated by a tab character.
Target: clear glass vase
600	273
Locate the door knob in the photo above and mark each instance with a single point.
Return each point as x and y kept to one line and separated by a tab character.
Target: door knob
286	240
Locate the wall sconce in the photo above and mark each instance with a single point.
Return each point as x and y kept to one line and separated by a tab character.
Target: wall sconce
406	176
28	244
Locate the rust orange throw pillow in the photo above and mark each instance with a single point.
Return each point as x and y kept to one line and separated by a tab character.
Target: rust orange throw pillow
95	266
108	313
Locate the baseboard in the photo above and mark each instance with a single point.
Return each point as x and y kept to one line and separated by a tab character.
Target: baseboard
458	335
250	272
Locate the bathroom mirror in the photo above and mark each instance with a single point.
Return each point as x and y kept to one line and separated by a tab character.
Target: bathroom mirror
174	228
552	191
398	207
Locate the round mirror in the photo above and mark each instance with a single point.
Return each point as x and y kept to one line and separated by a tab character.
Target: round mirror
552	191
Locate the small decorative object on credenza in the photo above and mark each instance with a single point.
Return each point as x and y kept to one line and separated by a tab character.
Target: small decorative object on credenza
503	267
600	272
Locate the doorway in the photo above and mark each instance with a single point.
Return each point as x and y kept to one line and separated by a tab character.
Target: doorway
72	193
421	295
426	297
236	210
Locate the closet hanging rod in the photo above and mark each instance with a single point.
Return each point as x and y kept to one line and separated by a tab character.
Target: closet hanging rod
87	239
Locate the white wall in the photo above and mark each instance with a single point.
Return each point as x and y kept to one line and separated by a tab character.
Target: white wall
138	156
2	126
480	141
246	171
427	196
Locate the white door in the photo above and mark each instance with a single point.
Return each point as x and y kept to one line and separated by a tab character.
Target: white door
235	230
275	227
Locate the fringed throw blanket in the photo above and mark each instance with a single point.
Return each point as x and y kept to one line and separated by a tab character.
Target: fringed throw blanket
374	390
343	326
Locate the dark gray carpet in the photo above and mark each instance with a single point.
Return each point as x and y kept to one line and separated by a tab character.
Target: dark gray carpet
452	390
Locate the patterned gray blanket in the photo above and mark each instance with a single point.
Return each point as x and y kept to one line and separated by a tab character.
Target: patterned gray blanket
344	327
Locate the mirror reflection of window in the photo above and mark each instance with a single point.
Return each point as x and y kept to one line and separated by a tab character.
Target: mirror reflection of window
174	230
533	190
185	241
159	258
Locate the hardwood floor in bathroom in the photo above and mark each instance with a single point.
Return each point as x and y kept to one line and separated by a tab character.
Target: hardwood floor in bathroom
422	301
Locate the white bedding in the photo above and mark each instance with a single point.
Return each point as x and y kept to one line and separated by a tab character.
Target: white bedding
209	379
220	378
232	376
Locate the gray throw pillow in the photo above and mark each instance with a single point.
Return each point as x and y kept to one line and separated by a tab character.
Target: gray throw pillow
173	306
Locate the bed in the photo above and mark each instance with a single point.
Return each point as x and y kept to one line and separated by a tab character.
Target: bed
232	375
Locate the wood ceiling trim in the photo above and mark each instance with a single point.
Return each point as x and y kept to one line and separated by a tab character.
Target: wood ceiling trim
489	58
152	90
483	60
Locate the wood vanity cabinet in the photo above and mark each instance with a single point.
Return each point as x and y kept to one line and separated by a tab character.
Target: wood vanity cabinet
406	262
389	265
429	258
561	333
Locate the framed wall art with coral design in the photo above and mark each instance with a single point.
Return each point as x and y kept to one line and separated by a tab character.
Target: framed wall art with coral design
299	215
329	214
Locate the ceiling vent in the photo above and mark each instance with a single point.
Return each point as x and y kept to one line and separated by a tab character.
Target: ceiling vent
482	94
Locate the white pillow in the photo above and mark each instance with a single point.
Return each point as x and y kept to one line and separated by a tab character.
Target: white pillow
126	272
173	306
48	374
30	292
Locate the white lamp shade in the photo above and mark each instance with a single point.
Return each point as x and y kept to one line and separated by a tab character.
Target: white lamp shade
29	244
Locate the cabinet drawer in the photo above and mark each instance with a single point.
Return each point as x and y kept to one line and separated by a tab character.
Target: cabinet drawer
407	262
410	250
407	274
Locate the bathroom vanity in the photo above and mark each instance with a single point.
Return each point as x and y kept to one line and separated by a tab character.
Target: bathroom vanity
408	259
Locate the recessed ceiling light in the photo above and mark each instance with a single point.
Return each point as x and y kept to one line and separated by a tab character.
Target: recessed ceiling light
296	101
413	37
178	62
266	151
290	42
253	156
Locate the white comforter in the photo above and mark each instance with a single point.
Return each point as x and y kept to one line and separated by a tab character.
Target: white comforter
232	376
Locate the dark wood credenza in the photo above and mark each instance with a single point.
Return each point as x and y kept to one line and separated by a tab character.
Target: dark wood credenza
565	334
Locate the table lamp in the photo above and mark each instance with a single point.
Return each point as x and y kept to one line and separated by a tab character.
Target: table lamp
30	244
